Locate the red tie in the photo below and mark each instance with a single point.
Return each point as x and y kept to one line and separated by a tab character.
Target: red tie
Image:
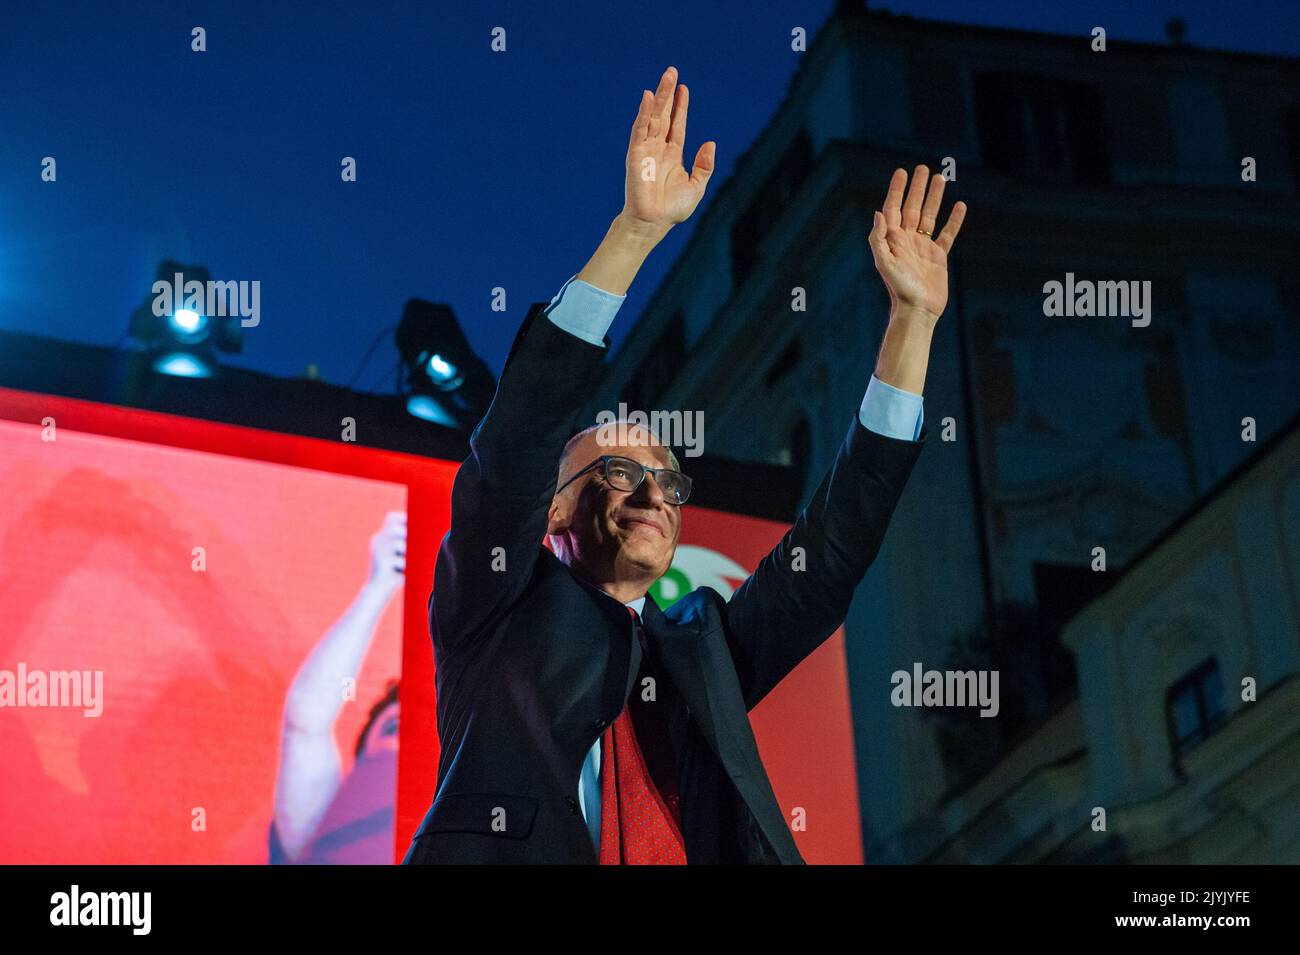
637	827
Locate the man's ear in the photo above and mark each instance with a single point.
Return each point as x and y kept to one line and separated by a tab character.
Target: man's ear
560	514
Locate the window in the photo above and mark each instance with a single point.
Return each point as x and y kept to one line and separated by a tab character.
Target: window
796	454
938	100
784	364
770	202
660	367
1291	124
1194	707
1062	590
801	450
1041	127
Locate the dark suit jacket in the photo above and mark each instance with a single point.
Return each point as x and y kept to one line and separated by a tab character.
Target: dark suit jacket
533	663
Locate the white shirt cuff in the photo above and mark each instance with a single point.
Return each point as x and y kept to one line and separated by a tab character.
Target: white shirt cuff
583	310
891	411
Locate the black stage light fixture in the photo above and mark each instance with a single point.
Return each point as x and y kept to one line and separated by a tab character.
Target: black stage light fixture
443	381
174	324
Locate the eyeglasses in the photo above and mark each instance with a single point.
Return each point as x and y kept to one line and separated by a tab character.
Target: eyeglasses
625	474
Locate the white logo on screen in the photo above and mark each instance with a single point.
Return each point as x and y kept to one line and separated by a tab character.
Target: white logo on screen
697	567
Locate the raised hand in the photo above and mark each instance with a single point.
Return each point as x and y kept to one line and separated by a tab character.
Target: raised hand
912	261
659	193
388	553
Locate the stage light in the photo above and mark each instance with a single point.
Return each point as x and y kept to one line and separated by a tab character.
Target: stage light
188	325
183	365
443	374
443	381
177	330
426	408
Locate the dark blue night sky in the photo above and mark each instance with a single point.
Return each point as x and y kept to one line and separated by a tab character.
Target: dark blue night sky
475	169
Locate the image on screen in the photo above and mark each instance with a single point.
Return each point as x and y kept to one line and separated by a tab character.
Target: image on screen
199	655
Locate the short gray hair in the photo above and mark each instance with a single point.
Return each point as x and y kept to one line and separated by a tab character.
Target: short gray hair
577	439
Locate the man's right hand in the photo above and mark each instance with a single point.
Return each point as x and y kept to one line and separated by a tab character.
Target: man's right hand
658	192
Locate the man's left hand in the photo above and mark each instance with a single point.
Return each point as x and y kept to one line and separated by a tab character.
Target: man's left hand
911	259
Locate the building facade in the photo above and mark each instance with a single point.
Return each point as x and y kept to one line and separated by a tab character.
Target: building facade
1053	440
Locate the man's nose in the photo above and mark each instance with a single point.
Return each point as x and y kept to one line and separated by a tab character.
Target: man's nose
650	493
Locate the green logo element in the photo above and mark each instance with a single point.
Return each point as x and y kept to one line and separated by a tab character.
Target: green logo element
670	588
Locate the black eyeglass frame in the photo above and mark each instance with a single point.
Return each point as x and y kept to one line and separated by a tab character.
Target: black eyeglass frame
603	461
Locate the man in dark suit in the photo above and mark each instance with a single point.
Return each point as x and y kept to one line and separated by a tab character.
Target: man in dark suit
579	722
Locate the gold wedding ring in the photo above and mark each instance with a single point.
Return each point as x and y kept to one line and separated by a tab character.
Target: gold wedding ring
924	233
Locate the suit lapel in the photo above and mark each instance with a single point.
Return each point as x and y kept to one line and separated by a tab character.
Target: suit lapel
681	648
625	651
676	643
